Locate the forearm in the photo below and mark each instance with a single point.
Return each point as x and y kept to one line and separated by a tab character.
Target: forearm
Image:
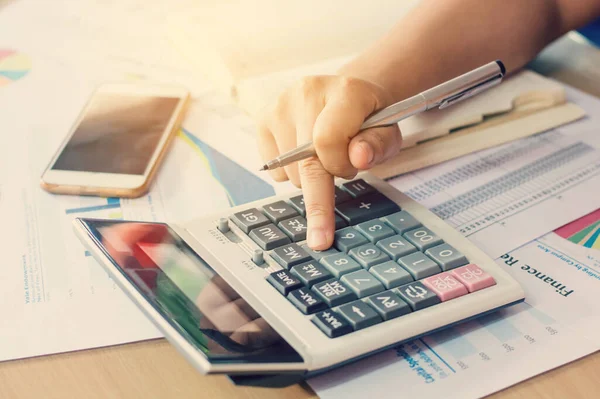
440	39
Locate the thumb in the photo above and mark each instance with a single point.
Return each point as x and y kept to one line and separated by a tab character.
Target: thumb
374	146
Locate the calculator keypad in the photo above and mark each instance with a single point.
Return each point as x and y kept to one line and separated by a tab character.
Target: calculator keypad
332	323
472	277
290	255
445	286
368	255
446	256
362	283
375	230
307	301
311	273
366	207
391	274
359	314
396	247
278	211
383	264
419	265
295	228
340	264
388	305
401	222
348	238
284	281
423	238
318	255
358	187
298	203
269	237
333	292
417	295
249	219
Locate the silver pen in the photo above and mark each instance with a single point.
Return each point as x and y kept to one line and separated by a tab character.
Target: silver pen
441	96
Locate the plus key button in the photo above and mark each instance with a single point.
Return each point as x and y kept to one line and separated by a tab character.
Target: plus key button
367	207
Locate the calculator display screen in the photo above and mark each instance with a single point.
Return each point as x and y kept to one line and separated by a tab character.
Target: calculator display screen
189	294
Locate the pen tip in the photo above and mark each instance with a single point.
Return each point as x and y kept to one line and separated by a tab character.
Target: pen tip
264	167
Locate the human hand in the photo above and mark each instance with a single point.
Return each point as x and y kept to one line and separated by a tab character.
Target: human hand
329	110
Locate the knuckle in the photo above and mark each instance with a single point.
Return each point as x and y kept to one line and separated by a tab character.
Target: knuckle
341	170
349	84
323	139
317	210
278	176
308	85
280	107
312	169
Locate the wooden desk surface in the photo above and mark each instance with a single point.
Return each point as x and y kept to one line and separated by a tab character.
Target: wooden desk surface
155	370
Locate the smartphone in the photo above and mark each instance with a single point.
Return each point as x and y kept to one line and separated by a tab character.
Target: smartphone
117	142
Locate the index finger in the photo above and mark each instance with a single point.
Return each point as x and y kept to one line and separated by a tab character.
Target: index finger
319	199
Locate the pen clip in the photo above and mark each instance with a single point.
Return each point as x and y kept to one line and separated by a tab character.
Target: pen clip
471	91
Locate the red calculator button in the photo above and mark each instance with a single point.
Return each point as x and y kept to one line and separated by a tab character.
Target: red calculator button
445	286
473	277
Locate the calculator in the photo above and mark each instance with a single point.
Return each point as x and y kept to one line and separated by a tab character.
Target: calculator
239	292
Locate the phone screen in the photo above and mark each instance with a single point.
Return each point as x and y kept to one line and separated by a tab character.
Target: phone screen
118	134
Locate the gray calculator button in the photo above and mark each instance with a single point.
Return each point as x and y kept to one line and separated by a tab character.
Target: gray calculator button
319	254
284	281
391	274
419	265
295	228
278	211
269	237
388	305
298	203
447	257
366	207
359	187
332	323
396	247
311	273
348	238
339	222
417	295
340	264
401	221
375	230
368	255
306	300
362	283
341	195
249	219
359	314
290	255
334	292
423	238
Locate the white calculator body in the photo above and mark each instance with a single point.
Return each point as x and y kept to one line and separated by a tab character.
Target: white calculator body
240	293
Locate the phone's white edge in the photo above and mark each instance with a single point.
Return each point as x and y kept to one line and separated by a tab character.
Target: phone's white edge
200	362
116	180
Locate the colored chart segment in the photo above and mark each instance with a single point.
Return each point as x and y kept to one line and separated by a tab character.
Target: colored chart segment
584	231
13	66
240	185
